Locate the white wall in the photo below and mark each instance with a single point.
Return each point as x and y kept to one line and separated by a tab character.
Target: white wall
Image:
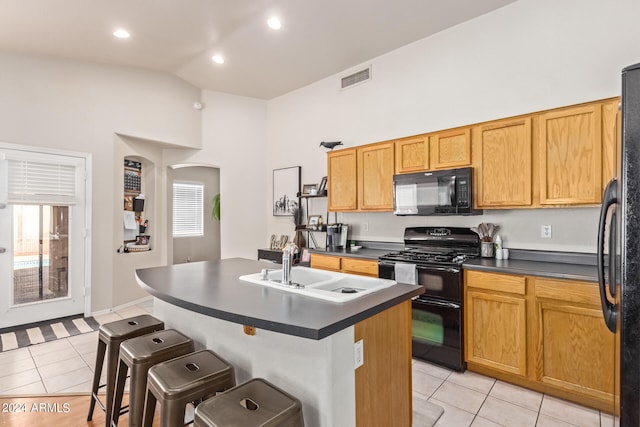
529	56
234	132
198	248
80	107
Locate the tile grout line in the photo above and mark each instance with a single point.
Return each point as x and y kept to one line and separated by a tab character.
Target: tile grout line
486	396
33	359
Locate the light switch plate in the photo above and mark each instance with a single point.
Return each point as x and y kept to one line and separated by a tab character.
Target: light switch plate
358	353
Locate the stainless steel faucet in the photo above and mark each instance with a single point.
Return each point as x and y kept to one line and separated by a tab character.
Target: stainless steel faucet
287	262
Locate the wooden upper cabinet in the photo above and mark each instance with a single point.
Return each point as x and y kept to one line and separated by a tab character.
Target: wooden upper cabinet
342	180
503	164
560	157
610	140
451	149
412	154
375	176
570	155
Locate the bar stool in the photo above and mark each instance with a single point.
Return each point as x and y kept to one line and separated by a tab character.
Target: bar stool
110	336
139	354
185	379
255	403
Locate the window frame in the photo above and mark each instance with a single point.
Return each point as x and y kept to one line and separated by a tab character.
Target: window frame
187	229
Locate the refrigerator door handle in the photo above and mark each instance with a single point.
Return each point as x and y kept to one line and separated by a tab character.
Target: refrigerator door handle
609	199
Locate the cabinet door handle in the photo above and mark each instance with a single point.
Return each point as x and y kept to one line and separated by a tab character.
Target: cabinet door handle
3	250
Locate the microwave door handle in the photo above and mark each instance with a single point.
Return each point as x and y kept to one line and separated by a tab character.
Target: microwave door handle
452	192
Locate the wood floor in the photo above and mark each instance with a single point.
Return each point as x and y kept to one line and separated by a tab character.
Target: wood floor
61	410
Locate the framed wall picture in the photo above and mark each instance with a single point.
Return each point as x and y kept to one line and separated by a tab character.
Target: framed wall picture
315	220
286	186
309	189
323	185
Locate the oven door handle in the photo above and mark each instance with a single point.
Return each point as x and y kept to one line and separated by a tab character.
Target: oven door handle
437	303
386	263
422	267
433	268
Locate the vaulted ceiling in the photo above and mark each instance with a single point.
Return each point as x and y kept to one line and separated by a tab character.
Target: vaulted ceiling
317	38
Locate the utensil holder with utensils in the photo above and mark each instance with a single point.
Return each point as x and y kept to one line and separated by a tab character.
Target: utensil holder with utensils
487	249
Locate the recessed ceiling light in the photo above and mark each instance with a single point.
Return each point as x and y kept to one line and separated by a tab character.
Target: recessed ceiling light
218	59
274	23
122	34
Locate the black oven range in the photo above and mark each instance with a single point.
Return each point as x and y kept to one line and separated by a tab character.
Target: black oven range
433	257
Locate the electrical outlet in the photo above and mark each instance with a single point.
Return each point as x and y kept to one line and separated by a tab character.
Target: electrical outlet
358	353
365	226
545	231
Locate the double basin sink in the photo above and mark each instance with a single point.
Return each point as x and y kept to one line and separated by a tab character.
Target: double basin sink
321	284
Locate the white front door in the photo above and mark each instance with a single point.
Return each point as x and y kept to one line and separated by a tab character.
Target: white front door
42	243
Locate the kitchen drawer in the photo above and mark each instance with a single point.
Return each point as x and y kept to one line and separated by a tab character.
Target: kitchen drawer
325	262
495	282
360	266
567	290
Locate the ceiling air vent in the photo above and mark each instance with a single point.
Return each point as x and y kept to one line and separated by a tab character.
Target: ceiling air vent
356	78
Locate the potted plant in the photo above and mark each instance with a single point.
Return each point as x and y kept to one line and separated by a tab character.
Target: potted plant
215	204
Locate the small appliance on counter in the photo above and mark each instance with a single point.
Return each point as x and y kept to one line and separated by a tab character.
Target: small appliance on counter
337	236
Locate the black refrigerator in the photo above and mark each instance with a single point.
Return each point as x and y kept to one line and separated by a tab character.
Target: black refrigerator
619	255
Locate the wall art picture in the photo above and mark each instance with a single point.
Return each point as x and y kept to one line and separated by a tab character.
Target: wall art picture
286	186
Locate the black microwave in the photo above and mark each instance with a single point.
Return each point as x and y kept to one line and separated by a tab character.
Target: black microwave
442	192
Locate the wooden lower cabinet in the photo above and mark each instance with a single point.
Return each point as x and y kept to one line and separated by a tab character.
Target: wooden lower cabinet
326	262
363	267
496	322
575	350
544	334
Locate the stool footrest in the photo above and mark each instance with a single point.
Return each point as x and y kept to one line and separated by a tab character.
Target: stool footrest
98	401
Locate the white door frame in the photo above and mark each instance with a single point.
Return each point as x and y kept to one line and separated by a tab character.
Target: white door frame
87	210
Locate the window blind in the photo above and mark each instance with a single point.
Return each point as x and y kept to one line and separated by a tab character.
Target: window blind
41	182
187	209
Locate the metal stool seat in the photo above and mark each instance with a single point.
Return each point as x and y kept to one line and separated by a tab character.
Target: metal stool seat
110	336
185	379
256	403
139	354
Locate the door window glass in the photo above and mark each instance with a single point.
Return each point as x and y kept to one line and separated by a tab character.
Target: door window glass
40	253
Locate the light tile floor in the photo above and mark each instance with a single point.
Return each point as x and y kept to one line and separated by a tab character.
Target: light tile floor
469	399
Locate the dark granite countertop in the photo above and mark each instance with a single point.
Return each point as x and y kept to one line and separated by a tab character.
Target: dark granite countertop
369	250
550	264
213	288
554	265
364	253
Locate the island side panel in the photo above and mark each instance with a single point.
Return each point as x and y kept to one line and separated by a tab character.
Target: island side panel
318	372
383	382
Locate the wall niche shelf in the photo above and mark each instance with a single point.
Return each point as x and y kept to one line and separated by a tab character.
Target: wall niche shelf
136	236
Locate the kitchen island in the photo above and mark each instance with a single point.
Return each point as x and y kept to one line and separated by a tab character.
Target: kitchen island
302	344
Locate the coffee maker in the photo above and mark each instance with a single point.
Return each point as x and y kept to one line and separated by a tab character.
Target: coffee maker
337	236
